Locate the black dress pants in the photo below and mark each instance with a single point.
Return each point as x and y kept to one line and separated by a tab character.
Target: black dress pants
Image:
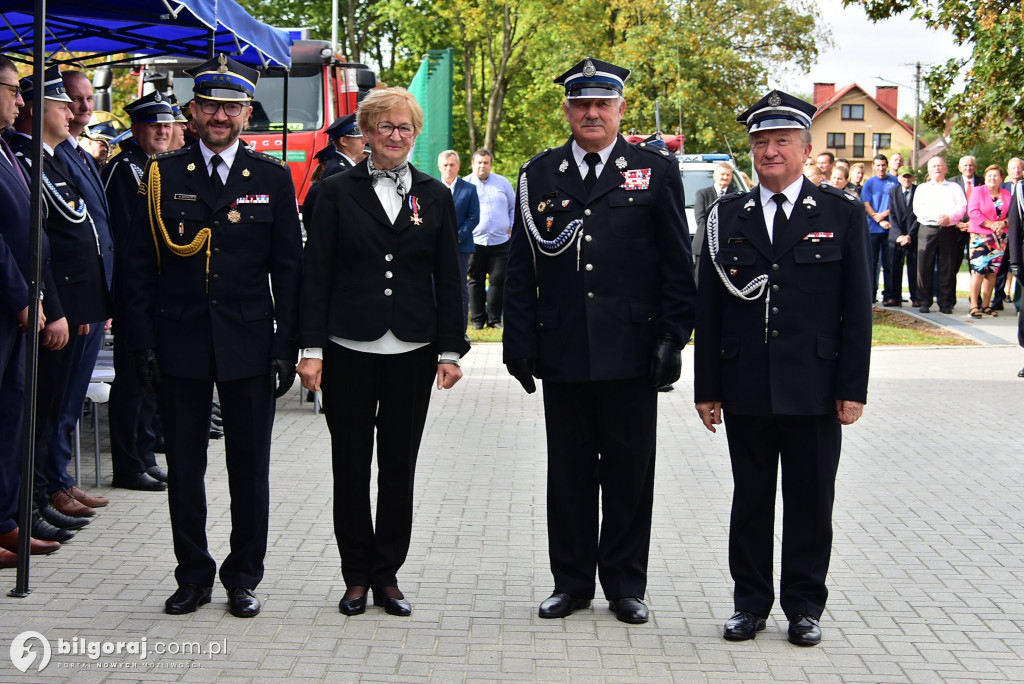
945	244
601	455
130	411
364	394
247	409
808	448
898	254
487	260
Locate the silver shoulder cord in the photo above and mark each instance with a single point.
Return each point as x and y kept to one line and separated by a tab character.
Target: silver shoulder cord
562	241
71	214
752	290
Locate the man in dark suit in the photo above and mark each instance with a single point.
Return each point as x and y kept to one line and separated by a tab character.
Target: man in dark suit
1014	177
599	302
80	296
705	198
467	213
903	227
968	180
218	229
783	342
1015	238
131	408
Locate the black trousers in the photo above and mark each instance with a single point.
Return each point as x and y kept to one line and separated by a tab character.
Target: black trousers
601	455
247	409
130	411
898	254
12	401
492	260
53	375
945	244
389	392
808	448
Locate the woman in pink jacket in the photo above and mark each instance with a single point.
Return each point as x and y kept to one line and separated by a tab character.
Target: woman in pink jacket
988	207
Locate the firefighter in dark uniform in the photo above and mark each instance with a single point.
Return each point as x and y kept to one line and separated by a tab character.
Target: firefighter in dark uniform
782	348
343	153
215	220
599	301
132	409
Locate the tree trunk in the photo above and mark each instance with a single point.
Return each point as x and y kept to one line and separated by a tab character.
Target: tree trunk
467	69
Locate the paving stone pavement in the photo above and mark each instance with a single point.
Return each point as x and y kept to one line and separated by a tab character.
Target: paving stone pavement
927	576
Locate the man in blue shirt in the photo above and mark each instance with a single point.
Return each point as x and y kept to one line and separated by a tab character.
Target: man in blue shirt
497	209
876	203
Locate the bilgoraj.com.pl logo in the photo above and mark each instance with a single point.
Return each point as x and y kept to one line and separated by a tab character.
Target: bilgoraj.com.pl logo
32	650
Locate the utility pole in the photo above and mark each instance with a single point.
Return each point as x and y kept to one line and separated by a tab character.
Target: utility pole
917	111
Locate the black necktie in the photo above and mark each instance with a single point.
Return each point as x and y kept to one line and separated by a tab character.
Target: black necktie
906	198
780	221
218	184
592	159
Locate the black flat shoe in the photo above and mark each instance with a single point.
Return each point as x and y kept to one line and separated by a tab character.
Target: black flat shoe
242	602
140	482
352	606
157	473
804	631
560	605
630	610
187	599
742	626
58	519
47	532
392	605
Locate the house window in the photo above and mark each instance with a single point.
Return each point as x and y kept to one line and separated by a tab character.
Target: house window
836	141
853	112
881	141
858	145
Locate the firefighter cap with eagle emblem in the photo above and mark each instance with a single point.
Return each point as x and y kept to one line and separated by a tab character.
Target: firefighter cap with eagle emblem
778	110
593	78
223	79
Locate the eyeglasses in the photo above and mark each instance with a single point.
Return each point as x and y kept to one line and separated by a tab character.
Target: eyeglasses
15	89
210	107
404	131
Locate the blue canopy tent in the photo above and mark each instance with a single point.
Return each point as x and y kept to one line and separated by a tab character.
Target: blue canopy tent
44	33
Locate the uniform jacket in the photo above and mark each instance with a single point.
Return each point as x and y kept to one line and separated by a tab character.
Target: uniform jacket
121	178
902	219
593	311
87	179
816	345
467	213
78	291
1015	229
336	163
227	316
365	276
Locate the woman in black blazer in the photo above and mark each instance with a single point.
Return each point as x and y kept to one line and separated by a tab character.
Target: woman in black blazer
380	319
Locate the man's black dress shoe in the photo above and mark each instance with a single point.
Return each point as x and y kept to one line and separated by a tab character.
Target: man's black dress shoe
187	599
47	532
925	309
804	631
392	606
352	606
141	482
242	602
631	610
157	473
58	519
1020	373
945	309
560	605
742	626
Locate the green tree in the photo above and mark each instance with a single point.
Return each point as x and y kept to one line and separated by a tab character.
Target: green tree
989	107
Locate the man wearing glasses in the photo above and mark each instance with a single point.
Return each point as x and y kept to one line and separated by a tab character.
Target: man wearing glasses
215	230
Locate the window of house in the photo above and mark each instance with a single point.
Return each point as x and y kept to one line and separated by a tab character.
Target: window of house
853	112
836	141
881	141
858	145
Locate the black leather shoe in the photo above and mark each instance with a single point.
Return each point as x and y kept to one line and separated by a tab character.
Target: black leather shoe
804	631
631	610
392	606
352	606
47	532
945	309
925	309
58	519
1020	373
243	603
157	473
742	626
560	605
187	599
141	482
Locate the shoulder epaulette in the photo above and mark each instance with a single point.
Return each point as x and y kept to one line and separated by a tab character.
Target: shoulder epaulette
265	157
659	150
168	153
730	196
534	158
839	193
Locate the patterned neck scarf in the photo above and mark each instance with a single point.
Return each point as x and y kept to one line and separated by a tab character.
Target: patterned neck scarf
396	175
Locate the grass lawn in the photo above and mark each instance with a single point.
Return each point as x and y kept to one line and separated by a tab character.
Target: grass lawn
890	328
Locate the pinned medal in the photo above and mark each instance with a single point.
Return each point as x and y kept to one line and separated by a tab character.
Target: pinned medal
181	228
549	222
414	205
750	204
733	272
245	173
542	206
636	179
71	204
809	202
191	167
563	166
621	163
234	216
566	203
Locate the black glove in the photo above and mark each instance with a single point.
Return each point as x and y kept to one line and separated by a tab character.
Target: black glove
667	361
1015	269
148	369
285	372
522	370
